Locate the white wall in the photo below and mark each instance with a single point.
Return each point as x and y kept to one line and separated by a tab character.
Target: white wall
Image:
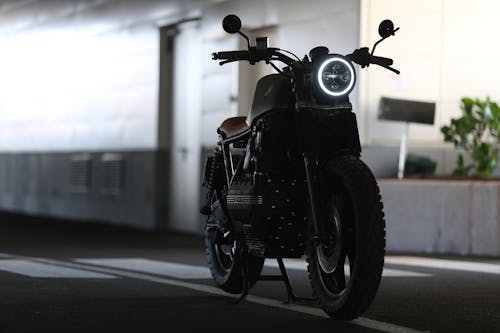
446	49
81	75
183	199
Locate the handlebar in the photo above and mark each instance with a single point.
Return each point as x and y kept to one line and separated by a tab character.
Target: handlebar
363	58
231	55
253	55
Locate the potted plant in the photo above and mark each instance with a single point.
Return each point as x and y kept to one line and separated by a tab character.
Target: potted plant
477	132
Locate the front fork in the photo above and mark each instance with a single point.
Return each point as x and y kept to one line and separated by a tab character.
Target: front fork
316	197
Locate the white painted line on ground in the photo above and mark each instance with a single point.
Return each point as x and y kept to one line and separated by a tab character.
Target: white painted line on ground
41	270
175	270
299	264
390	272
363	322
182	271
458	265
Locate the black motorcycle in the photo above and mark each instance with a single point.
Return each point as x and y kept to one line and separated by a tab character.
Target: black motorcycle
287	180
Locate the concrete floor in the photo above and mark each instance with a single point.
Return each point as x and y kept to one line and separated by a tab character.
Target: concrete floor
59	276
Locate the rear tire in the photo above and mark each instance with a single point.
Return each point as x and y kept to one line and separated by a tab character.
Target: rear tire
225	261
357	228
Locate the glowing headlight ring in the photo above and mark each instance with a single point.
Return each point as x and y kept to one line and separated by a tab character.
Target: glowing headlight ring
320	77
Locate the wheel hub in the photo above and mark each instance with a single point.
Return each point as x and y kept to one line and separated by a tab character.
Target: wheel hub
329	254
224	251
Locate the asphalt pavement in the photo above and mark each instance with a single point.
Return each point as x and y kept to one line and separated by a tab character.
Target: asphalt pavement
65	276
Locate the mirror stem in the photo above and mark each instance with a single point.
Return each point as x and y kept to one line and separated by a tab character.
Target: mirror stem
374	46
382	39
246	37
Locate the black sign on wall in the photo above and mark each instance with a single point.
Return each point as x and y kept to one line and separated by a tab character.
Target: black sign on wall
406	111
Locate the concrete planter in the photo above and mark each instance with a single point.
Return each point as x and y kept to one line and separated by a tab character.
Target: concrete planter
442	216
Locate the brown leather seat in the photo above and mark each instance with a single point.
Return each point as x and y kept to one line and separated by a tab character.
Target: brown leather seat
232	127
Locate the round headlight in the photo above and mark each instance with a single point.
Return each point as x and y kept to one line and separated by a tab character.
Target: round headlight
336	76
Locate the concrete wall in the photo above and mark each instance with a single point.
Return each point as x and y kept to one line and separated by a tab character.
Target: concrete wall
117	187
447	217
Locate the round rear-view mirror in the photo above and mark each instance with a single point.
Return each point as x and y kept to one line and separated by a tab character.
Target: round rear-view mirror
231	24
386	28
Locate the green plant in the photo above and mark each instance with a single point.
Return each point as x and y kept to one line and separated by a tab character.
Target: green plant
477	132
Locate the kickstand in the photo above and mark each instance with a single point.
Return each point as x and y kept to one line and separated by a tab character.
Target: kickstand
291	297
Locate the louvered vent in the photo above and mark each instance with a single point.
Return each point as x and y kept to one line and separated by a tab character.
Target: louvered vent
113	173
80	173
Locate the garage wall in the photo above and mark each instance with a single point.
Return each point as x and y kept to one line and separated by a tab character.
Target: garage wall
83	75
79	84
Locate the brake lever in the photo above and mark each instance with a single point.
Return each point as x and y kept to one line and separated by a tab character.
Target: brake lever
227	61
389	68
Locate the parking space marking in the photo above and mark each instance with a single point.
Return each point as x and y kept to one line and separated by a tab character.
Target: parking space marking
390	272
116	272
363	322
163	268
457	265
299	264
41	270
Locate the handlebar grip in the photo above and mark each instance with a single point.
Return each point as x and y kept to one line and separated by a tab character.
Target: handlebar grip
384	62
231	55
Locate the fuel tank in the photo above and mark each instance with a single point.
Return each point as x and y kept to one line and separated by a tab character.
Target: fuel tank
272	93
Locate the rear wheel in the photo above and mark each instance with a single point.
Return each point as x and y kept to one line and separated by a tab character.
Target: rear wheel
345	271
225	261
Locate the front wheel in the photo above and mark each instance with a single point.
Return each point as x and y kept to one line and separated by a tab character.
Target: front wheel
345	271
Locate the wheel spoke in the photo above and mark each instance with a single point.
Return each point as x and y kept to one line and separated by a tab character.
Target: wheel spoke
349	250
339	201
339	274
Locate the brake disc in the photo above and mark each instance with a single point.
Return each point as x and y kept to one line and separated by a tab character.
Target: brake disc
328	256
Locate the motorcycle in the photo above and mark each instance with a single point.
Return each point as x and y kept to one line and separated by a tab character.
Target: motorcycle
287	180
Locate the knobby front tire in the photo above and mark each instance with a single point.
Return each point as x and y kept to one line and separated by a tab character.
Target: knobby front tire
346	279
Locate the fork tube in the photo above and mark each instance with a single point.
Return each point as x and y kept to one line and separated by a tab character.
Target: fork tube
313	174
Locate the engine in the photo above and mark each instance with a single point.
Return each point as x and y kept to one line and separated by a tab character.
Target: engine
272	213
